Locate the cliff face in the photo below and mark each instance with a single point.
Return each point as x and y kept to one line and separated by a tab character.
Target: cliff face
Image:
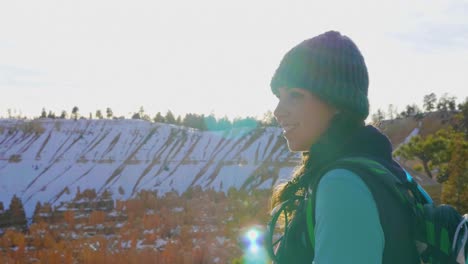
401	130
48	160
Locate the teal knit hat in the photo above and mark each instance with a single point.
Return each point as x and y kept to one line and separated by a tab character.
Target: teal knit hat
331	66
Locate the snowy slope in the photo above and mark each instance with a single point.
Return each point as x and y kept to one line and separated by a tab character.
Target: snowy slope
132	155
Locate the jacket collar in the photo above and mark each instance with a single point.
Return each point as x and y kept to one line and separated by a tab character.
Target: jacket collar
344	139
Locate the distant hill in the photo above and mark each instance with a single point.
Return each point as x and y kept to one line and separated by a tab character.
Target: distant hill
47	160
400	131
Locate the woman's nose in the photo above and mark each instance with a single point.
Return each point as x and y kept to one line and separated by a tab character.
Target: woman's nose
280	111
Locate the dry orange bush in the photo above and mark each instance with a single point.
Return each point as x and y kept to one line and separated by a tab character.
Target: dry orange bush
146	229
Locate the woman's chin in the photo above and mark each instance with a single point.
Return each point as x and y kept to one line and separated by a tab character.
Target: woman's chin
295	147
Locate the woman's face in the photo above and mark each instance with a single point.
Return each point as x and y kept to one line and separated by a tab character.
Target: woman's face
303	117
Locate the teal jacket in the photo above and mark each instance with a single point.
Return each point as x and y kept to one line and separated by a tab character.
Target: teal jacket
347	225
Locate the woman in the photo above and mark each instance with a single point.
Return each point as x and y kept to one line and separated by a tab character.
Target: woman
322	87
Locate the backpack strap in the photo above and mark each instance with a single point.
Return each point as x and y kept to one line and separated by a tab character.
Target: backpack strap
310	221
365	168
460	243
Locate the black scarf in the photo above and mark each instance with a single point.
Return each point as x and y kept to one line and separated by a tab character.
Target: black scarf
345	138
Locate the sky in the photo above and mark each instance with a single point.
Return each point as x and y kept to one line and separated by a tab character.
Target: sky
212	56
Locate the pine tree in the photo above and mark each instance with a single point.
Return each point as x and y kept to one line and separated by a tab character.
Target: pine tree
246	122
210	122
99	114
37	211
109	112
158	118
431	150
202	122
43	113
429	102
446	103
51	115
75	111
179	120
170	119
63	115
224	123
16	212
136	116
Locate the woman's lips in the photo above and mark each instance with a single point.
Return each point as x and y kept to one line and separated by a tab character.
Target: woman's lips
288	128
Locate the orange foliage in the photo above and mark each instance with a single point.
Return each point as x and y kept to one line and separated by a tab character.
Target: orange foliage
69	217
151	221
146	229
97	217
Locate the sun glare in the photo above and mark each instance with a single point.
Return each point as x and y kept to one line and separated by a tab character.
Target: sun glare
254	251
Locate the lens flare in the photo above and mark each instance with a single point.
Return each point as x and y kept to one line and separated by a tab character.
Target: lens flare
252	235
254	250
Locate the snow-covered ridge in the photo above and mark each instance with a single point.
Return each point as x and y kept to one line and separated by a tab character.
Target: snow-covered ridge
47	160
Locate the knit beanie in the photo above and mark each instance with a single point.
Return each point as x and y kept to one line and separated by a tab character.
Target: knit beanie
330	66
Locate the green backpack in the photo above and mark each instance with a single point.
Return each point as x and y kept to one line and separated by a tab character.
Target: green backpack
441	232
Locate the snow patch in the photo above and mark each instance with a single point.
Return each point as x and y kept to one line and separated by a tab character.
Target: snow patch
412	134
126	156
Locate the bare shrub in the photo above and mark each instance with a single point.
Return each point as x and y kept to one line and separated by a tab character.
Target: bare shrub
15	158
30	127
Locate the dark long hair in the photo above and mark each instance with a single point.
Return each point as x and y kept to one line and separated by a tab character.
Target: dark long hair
321	152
